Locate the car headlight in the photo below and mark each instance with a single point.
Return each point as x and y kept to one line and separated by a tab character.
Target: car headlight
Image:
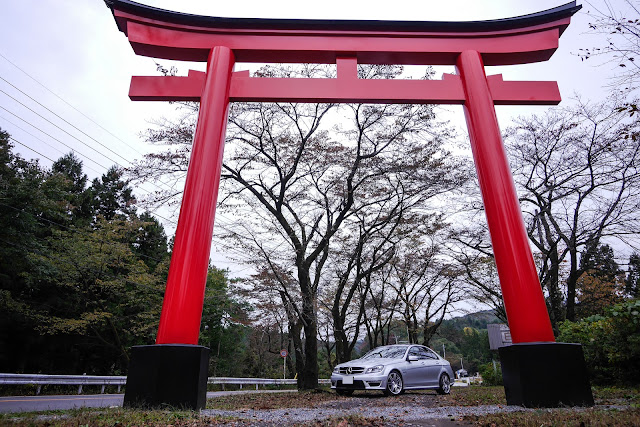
336	370
374	369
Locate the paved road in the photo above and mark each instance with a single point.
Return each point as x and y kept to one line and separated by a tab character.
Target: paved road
46	403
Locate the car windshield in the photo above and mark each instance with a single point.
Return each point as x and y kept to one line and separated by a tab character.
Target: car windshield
390	352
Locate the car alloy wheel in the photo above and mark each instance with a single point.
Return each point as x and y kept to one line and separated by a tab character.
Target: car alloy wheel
394	384
445	384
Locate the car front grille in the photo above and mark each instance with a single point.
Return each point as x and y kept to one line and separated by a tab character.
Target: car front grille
354	370
357	385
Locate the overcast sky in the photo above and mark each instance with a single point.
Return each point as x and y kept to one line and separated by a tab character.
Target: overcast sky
74	49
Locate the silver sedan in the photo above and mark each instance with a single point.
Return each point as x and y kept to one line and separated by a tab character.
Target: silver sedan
394	369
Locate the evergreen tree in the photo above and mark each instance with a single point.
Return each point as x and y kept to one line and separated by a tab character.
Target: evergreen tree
76	292
601	284
150	242
71	167
113	196
599	260
74	181
632	282
224	325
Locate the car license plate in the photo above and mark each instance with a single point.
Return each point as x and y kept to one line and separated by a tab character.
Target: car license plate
347	380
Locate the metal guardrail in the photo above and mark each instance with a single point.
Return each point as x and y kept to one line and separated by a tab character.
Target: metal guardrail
79	380
258	381
105	380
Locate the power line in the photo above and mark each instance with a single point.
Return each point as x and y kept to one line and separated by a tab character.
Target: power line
29	148
63	100
58	116
53	161
30	134
58	127
41	140
70	124
53	137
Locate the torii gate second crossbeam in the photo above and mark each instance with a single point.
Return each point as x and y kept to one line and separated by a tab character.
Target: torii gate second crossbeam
467	45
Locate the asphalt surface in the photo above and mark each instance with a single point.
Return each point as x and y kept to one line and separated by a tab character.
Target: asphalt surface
62	402
48	403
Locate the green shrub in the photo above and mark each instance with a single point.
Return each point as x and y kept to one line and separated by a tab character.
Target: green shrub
491	376
611	343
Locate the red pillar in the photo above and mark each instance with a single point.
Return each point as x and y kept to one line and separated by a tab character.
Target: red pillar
523	298
184	295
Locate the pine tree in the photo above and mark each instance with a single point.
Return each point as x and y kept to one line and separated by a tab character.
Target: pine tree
632	282
113	196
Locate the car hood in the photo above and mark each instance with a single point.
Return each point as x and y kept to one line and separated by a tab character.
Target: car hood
365	363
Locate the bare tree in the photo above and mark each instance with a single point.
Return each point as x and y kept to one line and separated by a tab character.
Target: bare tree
578	171
619	26
301	187
381	304
578	177
469	246
294	184
426	283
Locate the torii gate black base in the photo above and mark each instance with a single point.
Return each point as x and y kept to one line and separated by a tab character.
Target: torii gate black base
546	375
167	375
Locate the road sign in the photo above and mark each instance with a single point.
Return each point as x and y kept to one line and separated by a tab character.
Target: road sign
283	353
499	335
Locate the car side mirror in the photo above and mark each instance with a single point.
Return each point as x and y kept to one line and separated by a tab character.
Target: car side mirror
412	358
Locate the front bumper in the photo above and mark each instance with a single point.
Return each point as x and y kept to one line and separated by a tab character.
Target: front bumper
358	382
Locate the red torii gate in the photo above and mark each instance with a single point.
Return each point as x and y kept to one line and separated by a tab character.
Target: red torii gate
467	45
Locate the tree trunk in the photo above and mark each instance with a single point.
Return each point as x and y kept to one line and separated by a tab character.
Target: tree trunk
553	286
291	369
308	376
308	372
571	287
342	346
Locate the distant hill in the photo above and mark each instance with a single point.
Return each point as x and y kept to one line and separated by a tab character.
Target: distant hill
477	320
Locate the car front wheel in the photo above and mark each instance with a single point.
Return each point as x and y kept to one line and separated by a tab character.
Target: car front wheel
445	384
394	384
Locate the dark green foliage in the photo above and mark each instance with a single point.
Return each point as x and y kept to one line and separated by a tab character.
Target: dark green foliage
112	196
491	375
81	277
599	260
68	169
466	338
478	320
611	343
475	348
150	241
601	283
632	282
224	327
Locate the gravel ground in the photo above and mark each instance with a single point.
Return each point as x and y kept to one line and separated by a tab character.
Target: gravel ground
413	410
416	410
389	413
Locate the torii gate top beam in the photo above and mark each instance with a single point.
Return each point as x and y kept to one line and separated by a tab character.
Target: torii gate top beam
171	35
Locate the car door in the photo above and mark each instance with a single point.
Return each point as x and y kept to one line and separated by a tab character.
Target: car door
413	375
432	367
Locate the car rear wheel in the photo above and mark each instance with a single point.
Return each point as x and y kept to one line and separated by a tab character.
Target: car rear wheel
344	392
445	384
395	386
